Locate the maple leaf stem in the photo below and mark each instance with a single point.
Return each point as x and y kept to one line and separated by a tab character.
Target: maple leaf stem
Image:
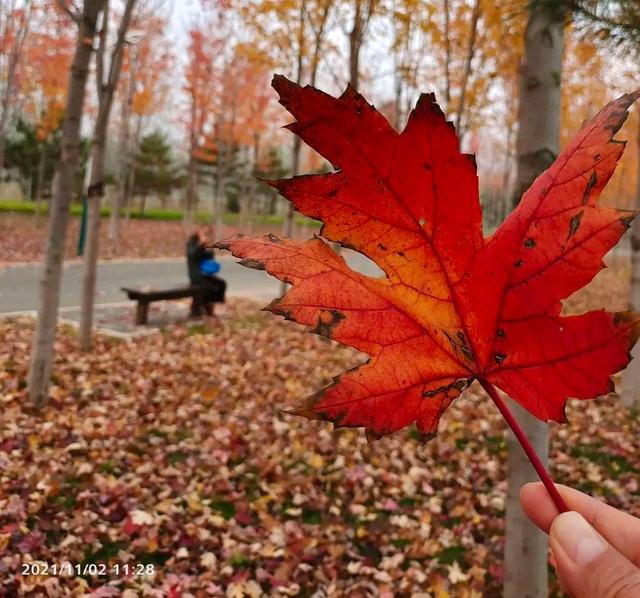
526	445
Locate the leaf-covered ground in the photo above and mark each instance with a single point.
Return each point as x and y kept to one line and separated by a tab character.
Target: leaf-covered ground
139	238
171	451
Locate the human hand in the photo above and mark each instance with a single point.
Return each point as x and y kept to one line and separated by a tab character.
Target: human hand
595	548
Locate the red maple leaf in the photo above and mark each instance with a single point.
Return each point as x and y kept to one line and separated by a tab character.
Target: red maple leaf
453	305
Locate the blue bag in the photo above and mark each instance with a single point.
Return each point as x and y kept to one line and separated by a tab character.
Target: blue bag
209	267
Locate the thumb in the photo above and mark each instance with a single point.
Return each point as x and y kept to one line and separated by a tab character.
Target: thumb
587	564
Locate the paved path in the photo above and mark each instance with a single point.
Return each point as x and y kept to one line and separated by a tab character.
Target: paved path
19	284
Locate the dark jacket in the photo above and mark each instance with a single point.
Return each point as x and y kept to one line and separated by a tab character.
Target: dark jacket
195	254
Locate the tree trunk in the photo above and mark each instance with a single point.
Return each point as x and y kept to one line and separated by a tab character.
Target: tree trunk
295	167
192	192
244	191
537	142
506	178
226	159
287	229
471	50
361	17
398	75
95	191
40	182
537	146
131	179
22	30
631	376
362	12
218	181
42	347
447	55
355	42
397	101
254	180
125	156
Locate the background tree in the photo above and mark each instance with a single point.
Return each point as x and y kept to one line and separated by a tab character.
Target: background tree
203	88
538	143
48	55
34	158
363	12
618	24
130	68
295	36
410	20
631	376
486	49
151	78
212	93
155	171
252	70
145	63
43	339
467	52
107	76
15	21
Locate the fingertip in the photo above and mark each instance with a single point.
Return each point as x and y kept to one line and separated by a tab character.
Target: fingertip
528	496
538	505
529	490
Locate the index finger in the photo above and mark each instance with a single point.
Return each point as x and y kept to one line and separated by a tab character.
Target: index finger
620	529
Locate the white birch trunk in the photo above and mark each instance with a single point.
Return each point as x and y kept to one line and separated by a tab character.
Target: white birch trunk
631	376
537	147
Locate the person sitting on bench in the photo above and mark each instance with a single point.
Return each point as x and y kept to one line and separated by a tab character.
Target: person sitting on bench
201	265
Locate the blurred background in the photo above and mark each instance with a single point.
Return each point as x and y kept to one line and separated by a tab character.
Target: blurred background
194	120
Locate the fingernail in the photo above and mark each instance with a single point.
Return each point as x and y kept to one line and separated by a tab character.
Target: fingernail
581	543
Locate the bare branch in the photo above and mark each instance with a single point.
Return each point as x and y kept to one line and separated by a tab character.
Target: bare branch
100	52
116	54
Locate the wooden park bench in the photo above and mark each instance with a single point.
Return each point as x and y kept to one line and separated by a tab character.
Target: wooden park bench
145	297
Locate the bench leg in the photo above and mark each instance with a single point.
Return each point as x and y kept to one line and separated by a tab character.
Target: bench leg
197	307
142	313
